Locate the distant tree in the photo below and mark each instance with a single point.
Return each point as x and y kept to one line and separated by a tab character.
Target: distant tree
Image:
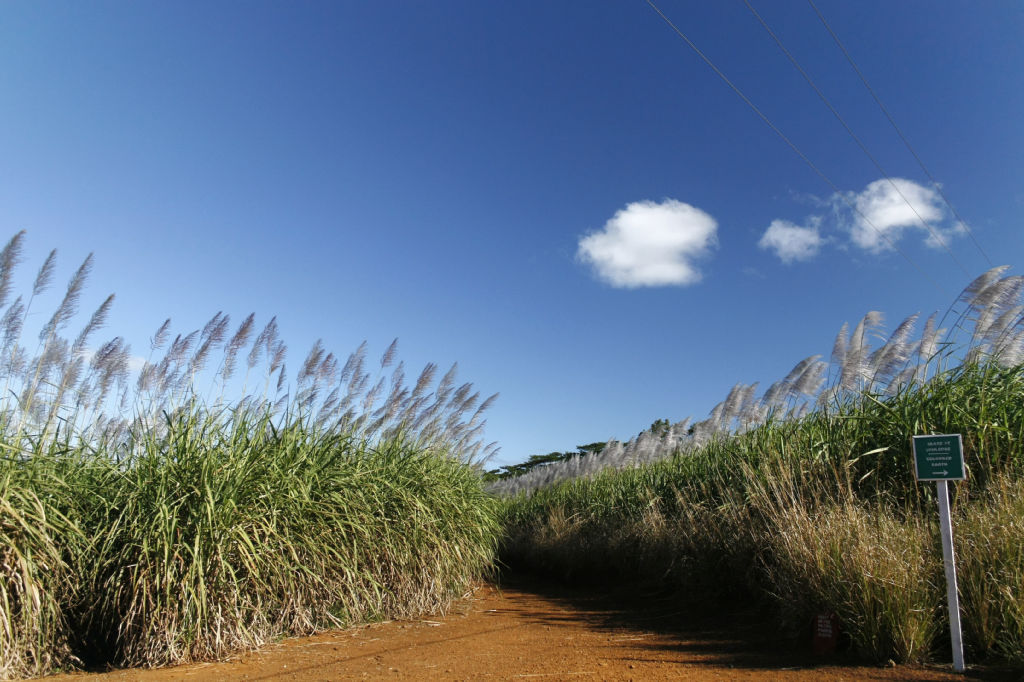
513	470
660	427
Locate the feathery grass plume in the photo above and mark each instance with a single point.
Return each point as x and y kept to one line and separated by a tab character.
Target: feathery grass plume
10	257
389	355
70	373
854	369
353	371
731	406
888	360
326	374
425	379
397	391
811	379
307	384
370	399
929	344
354	365
264	343
277	351
328	411
111	365
1011	349
841	345
15	364
98	319
282	378
776	394
211	336
972	294
180	347
461	395
159	338
484	406
169	369
1004	326
327	371
11	324
236	344
749	409
147	375
787	387
170	358
45	275
69	305
447	383
798	369
55	350
998	294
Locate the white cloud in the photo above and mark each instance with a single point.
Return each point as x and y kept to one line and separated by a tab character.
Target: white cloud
648	244
946	234
883	215
792	242
135	363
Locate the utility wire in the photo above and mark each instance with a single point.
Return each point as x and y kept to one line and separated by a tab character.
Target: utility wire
892	121
860	143
789	142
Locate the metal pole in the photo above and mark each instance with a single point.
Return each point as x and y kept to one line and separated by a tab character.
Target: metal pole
946	531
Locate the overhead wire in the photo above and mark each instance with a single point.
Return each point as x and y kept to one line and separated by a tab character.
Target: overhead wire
821	95
903	138
842	195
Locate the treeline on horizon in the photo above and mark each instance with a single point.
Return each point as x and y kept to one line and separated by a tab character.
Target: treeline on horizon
658	427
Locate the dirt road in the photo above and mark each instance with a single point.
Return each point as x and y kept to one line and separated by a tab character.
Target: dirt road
526	632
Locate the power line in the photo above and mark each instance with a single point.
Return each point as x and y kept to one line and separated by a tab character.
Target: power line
906	142
790	143
860	143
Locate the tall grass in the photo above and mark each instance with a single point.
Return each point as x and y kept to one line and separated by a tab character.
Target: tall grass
147	518
805	497
36	580
226	532
990	539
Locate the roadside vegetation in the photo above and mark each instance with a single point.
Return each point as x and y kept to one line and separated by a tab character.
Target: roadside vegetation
147	518
804	496
200	500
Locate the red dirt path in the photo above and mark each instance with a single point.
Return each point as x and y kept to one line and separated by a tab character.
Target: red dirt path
528	632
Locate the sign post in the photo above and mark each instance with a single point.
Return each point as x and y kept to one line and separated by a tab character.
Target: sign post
941	459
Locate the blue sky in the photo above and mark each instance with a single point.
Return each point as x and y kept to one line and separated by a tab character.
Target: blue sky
560	196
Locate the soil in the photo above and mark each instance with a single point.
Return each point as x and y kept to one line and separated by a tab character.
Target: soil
524	631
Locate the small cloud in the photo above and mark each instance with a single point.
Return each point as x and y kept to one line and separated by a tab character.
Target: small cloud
753	272
792	242
886	209
134	362
648	244
944	235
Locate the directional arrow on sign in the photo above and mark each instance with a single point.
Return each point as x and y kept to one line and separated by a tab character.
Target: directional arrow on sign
944	472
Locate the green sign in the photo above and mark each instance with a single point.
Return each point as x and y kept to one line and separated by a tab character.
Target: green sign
939	458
